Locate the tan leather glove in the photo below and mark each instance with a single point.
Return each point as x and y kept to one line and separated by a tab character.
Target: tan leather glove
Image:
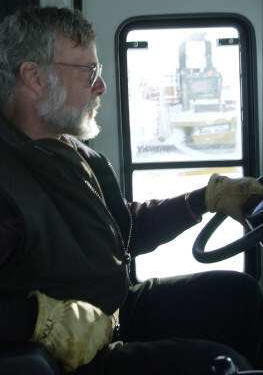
73	331
232	196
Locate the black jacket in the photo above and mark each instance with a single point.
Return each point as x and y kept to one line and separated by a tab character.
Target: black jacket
75	245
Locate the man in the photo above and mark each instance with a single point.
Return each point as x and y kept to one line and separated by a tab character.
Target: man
67	234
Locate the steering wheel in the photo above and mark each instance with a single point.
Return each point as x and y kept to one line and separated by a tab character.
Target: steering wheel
254	223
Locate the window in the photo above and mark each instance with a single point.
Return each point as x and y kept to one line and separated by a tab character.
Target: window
186	102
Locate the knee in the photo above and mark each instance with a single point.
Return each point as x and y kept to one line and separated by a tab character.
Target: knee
231	284
242	284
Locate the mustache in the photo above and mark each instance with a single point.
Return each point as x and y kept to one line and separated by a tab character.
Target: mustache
92	106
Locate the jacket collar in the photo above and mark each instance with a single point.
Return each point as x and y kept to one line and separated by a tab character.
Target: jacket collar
40	151
11	135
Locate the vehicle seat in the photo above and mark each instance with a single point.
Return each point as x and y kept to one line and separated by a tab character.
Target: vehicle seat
27	359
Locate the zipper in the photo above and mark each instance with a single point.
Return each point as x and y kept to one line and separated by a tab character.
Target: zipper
102	200
129	214
116	225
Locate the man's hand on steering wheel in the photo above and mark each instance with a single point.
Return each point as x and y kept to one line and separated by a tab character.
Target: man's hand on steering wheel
233	197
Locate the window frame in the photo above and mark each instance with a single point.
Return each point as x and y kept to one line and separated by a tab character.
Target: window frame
250	159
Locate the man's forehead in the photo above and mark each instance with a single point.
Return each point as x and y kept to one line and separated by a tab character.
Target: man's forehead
66	50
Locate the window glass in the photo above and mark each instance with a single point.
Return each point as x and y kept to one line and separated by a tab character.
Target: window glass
184	95
176	257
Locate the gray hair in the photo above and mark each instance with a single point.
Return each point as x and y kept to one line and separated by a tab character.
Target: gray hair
29	35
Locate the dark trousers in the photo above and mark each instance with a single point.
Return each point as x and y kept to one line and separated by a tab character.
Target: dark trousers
179	325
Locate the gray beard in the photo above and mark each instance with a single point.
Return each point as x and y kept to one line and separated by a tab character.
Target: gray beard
61	119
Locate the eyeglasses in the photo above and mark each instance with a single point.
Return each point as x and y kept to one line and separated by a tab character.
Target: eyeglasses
94	69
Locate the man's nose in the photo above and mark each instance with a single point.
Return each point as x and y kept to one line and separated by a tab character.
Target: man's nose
99	86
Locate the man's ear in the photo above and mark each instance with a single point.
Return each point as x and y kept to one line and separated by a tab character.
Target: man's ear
32	77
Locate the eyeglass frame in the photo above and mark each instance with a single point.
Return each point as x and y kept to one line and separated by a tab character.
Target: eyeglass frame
93	68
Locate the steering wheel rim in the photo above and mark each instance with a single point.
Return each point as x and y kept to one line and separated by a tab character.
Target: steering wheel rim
227	251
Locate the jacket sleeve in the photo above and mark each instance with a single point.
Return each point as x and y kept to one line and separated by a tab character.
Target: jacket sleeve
156	222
